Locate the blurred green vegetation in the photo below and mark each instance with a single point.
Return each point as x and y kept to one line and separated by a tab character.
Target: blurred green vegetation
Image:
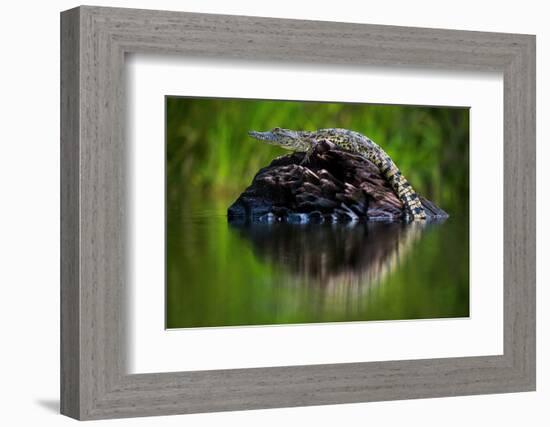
209	151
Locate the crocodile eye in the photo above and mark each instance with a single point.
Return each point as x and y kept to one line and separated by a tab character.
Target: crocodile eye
276	130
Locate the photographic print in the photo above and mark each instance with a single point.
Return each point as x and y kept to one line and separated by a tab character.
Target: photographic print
297	212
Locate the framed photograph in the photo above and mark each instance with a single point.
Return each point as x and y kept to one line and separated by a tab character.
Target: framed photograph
262	213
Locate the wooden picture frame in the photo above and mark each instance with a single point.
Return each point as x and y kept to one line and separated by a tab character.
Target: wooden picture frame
94	382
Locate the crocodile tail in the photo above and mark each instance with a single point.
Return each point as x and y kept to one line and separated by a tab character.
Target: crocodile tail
404	191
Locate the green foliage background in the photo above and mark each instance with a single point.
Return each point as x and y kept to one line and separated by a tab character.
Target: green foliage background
209	151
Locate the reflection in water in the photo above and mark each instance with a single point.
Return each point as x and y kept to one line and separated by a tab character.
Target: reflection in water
340	259
220	274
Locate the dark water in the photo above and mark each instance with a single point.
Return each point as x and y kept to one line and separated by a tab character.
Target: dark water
226	275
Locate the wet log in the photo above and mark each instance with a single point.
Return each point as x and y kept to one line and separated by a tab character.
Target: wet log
334	185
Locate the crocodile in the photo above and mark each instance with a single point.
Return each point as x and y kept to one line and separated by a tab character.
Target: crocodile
306	141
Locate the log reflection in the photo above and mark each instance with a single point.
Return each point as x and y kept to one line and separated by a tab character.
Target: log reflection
342	259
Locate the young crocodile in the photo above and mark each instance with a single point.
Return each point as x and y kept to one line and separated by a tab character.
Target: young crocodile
305	141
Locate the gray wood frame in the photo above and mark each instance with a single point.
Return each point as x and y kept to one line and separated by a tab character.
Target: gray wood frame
94	382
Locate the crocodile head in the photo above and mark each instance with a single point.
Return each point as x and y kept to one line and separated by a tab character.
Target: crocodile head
285	138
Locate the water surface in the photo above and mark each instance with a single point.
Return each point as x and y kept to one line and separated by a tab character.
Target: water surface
220	274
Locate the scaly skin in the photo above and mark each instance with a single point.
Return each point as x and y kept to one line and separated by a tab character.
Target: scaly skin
305	141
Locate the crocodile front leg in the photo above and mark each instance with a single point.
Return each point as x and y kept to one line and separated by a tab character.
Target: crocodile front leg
309	151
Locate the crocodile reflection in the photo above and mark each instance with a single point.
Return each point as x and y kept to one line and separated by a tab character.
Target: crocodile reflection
339	258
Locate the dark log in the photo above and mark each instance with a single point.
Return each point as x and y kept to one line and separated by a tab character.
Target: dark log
333	185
